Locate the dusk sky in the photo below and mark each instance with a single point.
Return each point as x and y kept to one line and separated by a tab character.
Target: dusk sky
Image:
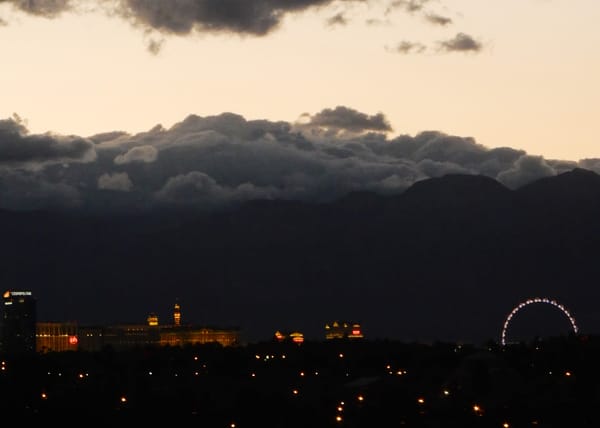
156	106
507	89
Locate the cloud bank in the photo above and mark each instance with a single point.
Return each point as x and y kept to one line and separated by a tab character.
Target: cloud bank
181	17
158	19
218	161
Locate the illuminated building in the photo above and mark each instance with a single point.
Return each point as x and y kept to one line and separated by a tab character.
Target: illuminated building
152	320
21	332
197	335
294	336
56	337
343	330
19	322
91	338
177	315
179	335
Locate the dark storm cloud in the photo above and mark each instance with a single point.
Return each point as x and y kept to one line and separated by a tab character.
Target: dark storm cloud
46	8
18	147
436	19
215	161
460	43
181	17
25	190
255	17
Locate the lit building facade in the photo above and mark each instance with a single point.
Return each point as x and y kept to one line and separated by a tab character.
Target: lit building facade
56	337
22	333
294	336
343	330
19	322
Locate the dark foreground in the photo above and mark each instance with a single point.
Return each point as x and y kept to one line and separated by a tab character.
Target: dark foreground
551	383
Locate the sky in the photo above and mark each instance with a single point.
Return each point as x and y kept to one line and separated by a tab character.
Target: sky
239	99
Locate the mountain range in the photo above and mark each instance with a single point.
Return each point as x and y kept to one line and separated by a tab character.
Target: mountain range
447	259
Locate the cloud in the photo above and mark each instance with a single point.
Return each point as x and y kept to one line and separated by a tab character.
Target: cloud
337	19
526	169
45	8
408	47
17	146
460	43
215	161
118	181
203	191
347	119
145	154
409	6
253	17
154	46
25	190
436	19
593	164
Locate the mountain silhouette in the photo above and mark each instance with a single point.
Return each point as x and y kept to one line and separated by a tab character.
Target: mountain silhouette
445	260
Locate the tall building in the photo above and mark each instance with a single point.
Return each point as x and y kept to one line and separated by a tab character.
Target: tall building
19	322
177	315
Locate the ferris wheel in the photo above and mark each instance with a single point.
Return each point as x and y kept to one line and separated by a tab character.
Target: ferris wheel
535	300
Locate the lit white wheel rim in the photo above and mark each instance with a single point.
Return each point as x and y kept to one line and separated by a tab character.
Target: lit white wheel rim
527	302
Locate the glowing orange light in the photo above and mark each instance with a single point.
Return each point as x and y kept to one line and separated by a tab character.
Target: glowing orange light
340	408
361	398
338	418
476	408
295	392
446	392
73	340
421	400
123	399
341	355
505	425
356	332
44	396
567	374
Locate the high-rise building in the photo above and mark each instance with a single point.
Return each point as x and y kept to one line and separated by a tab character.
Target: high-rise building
19	322
177	315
